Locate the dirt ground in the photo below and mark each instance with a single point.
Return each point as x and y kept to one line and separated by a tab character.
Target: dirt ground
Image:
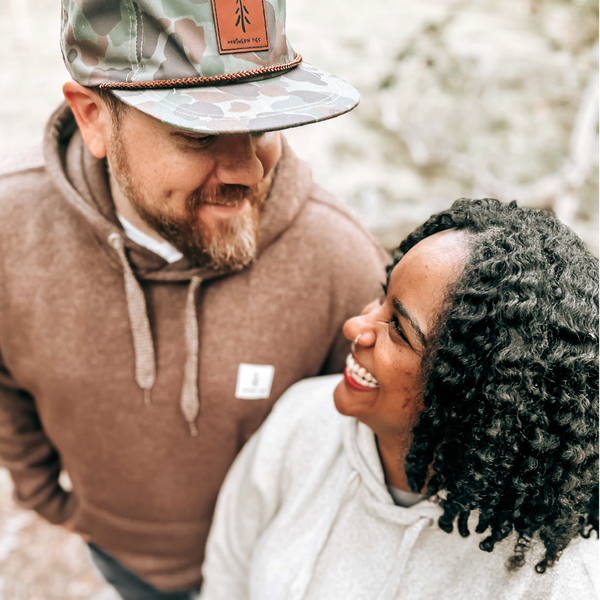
39	561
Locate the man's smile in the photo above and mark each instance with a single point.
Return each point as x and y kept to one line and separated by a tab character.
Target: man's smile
209	211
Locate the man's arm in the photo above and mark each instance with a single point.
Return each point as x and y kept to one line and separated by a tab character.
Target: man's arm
29	456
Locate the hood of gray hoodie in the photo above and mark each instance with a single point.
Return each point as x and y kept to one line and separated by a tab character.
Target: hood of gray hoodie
361	448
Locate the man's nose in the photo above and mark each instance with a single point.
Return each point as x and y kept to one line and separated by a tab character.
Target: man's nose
238	163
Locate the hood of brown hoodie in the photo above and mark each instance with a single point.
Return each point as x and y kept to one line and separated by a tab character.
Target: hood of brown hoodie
83	181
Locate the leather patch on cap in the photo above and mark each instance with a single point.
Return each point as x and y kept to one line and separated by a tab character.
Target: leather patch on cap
241	25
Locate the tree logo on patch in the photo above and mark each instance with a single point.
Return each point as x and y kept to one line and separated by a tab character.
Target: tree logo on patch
241	25
242	15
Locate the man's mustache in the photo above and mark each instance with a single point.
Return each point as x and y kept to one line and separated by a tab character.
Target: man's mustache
223	195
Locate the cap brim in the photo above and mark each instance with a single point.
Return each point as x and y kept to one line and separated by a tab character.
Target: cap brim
305	94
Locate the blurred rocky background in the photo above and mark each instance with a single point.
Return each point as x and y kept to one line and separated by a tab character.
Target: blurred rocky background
459	98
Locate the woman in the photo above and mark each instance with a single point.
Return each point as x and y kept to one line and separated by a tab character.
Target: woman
466	463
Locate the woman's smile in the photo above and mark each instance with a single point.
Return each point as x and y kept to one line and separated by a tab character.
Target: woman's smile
357	377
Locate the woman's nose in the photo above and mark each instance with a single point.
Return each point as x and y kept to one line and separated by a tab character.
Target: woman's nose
370	308
361	326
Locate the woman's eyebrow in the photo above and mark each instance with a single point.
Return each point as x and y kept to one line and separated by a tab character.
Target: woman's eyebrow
401	310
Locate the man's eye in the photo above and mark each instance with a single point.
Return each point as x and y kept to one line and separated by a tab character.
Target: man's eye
199	142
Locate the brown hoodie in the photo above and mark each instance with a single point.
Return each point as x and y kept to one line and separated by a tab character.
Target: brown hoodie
122	368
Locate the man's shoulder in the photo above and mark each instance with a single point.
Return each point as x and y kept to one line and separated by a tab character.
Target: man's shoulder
30	162
329	231
23	178
329	216
31	205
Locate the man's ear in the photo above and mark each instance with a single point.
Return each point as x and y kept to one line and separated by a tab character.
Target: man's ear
92	116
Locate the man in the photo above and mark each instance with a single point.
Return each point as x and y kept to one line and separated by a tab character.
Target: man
168	269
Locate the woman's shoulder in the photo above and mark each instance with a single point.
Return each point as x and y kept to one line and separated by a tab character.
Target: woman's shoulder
305	415
308	400
574	576
580	567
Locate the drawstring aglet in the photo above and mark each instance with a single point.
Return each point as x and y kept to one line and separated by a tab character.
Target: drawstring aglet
193	430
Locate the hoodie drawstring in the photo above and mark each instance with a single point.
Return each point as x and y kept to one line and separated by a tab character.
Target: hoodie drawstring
396	576
145	360
190	404
145	363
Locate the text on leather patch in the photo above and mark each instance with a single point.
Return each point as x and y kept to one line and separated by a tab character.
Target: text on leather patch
241	25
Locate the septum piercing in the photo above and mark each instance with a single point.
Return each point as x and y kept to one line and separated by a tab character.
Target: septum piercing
356	340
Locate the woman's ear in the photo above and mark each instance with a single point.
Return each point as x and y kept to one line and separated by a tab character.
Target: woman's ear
92	116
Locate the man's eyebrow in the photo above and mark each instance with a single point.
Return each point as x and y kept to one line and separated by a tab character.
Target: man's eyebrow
401	310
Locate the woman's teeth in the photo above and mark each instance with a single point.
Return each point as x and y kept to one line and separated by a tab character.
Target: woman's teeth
360	374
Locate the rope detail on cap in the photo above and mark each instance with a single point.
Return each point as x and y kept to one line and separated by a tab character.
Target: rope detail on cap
193	81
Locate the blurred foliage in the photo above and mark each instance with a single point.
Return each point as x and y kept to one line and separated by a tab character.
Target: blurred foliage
488	100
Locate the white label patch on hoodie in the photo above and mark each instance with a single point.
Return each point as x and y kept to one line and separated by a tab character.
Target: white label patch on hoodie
254	381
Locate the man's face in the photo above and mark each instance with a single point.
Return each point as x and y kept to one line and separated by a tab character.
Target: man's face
203	194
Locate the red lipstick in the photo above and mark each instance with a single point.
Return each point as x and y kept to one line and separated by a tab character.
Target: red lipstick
354	384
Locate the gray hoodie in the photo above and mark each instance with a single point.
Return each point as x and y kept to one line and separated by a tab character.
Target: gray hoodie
305	514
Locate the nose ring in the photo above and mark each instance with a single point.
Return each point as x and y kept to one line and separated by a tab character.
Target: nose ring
357	338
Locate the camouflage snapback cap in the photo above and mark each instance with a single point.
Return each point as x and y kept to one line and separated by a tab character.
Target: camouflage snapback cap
210	66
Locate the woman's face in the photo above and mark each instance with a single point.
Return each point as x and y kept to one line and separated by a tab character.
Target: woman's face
382	385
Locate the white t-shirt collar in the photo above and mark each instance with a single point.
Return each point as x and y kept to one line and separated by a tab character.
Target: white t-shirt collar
163	249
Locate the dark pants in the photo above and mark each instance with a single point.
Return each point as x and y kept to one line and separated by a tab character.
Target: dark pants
128	584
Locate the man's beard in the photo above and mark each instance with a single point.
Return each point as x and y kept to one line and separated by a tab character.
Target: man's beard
229	245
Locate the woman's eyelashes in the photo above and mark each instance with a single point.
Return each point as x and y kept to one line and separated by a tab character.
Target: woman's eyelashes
395	323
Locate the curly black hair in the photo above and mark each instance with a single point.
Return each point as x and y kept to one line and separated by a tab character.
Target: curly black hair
509	426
